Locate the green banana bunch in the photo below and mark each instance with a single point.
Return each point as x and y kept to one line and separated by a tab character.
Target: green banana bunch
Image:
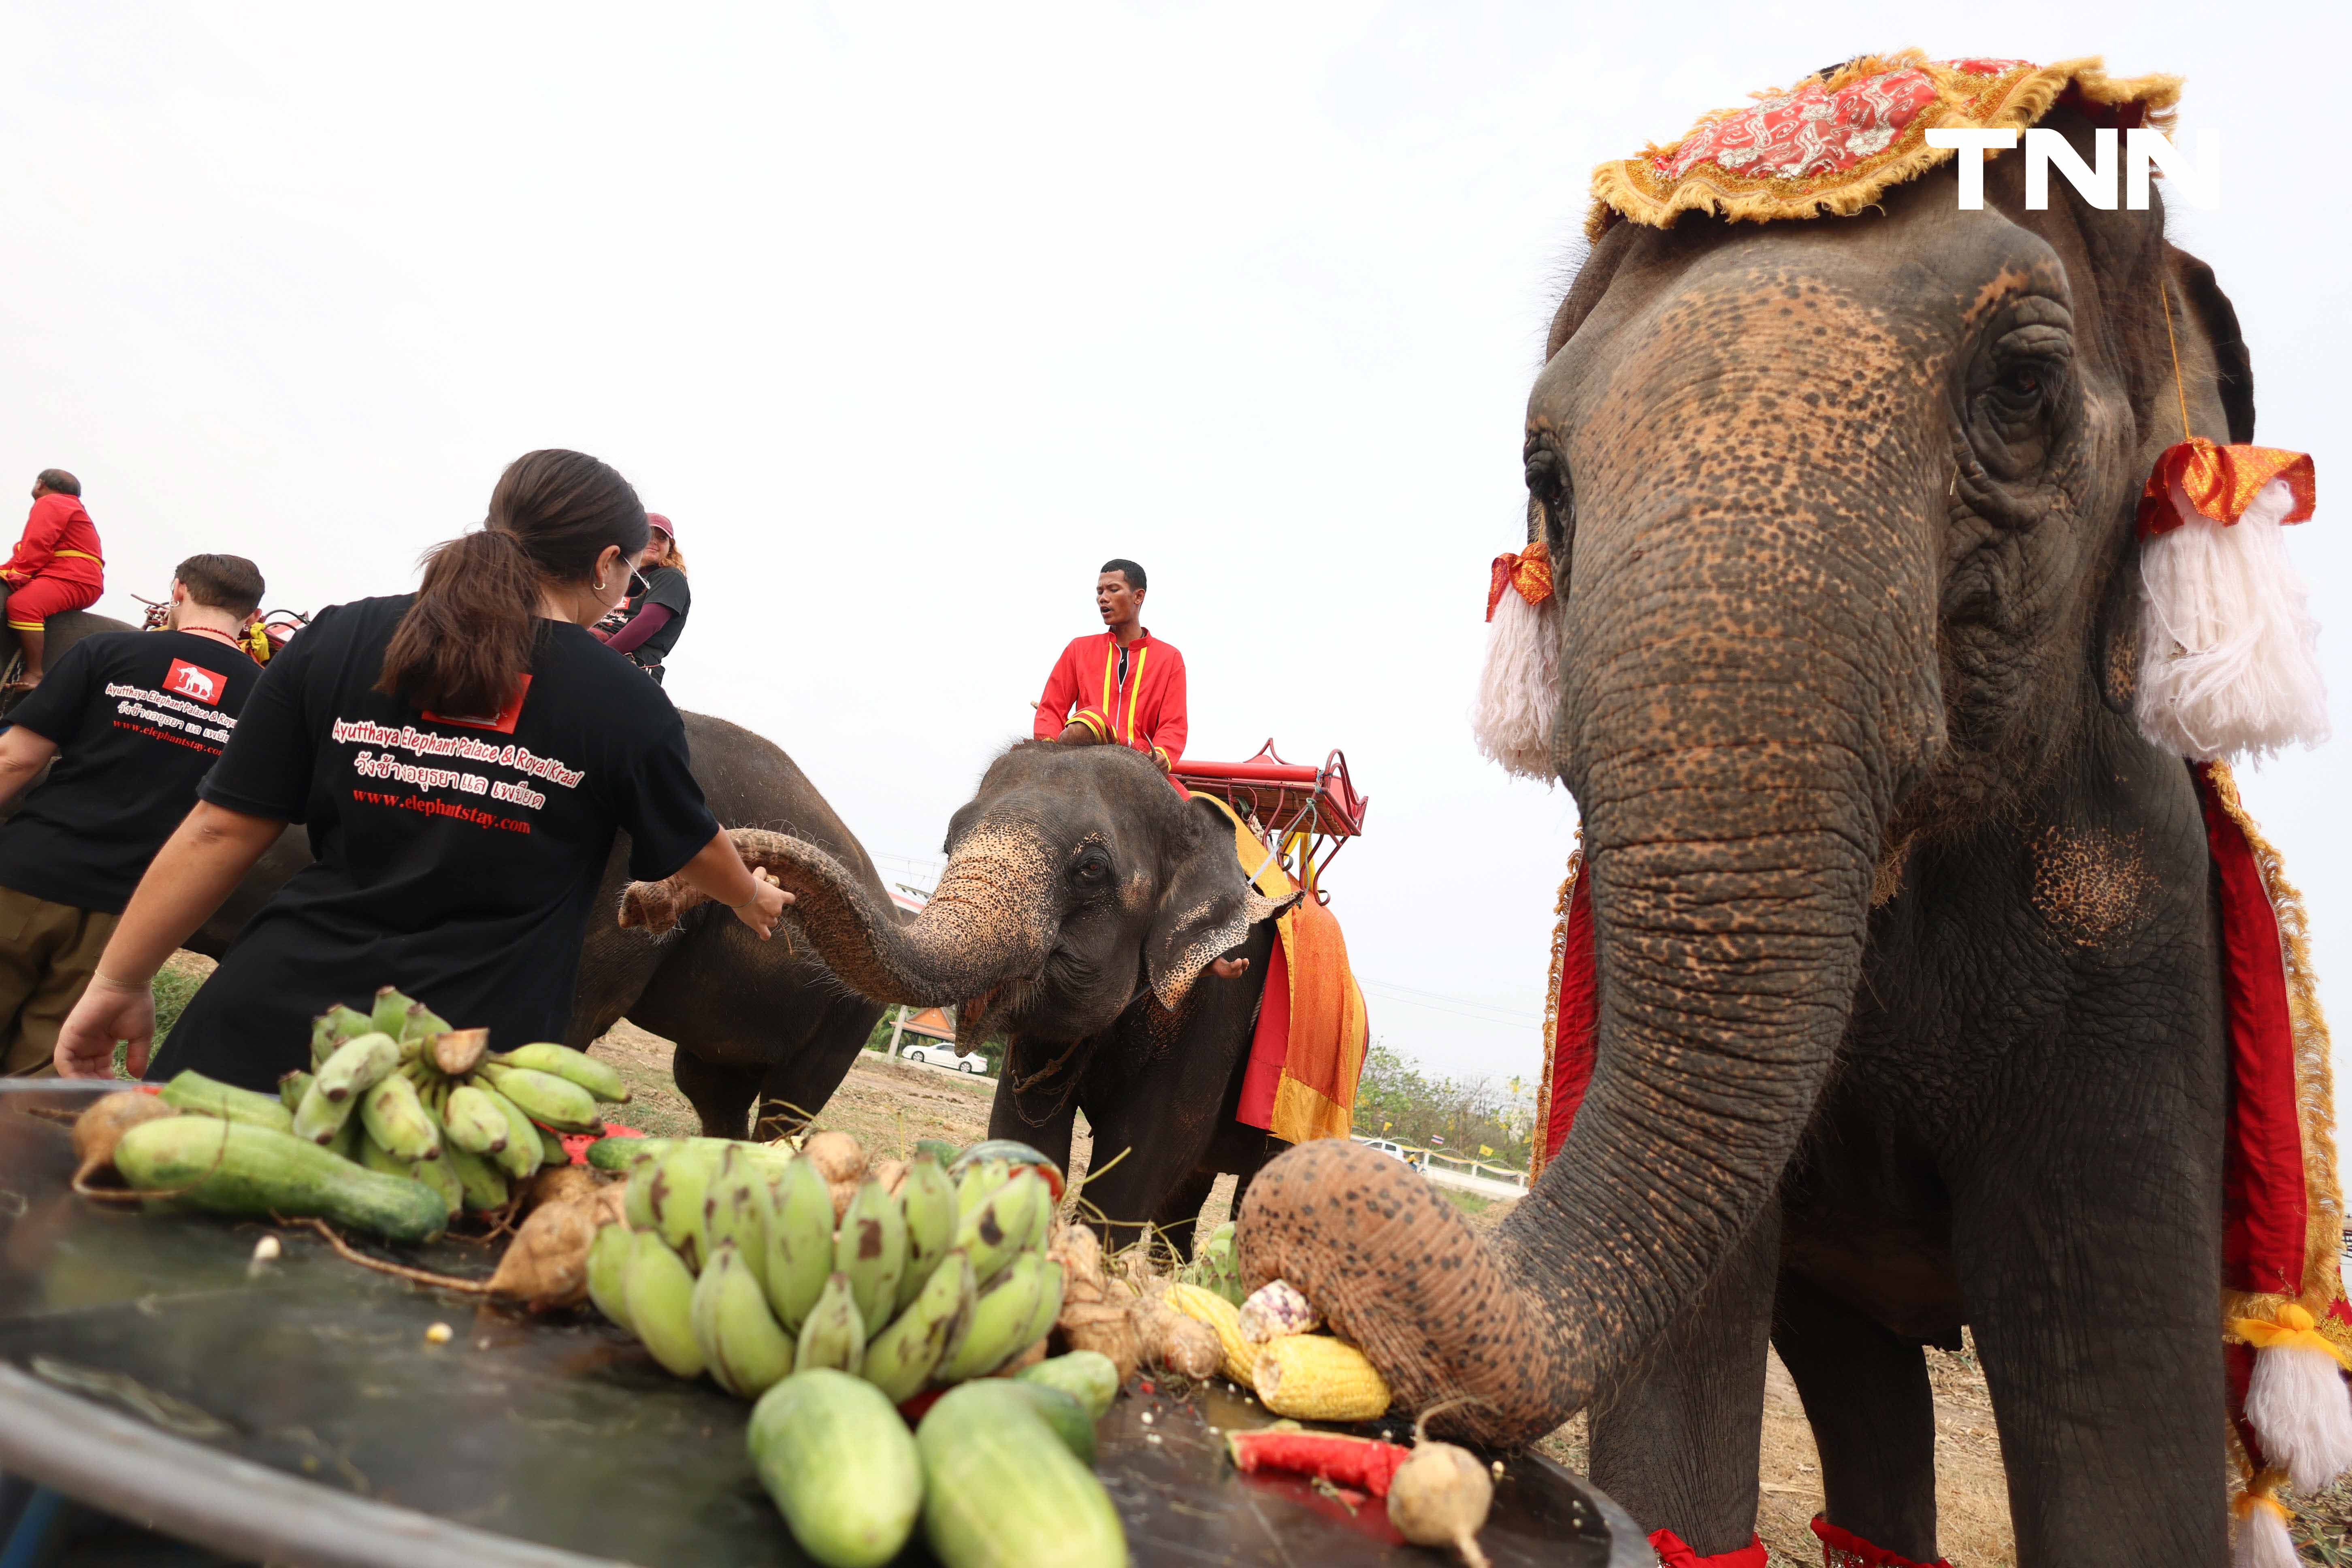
420	1023
928	1201
870	1251
608	1272
1007	1223
1001	1316
484	1185
557	1101
902	1357
357	1066
597	1077
472	1123
332	1027
746	1352
292	1088
736	1214
442	1177
523	1152
397	1119
834	1333
660	1293
983	1178
800	1242
391	1014
668	1197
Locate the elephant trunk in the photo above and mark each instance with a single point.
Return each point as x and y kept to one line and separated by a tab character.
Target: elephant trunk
980	930
1748	687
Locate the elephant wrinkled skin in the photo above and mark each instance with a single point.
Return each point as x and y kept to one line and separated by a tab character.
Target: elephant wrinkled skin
1909	1008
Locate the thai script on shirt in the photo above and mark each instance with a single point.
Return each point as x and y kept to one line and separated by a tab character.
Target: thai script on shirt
169	713
460	748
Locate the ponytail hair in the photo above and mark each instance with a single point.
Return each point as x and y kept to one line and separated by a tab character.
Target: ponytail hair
475	624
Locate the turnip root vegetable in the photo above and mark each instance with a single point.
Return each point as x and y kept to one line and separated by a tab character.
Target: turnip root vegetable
1275	1308
837	1156
97	1129
546	1264
1439	1496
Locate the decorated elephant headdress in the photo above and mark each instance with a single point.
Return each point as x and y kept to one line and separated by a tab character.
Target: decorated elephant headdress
2227	667
2229	662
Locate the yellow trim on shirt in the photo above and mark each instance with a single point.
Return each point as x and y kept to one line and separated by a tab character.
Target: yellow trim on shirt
1135	687
81	555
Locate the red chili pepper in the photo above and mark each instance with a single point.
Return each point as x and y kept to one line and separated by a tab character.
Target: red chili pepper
1364	1463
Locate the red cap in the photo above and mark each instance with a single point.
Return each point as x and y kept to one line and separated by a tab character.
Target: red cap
656	520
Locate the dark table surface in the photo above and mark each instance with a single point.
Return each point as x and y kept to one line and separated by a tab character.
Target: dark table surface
294	1411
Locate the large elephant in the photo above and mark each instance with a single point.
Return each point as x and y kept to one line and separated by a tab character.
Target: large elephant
1909	1006
64	631
1103	925
753	1021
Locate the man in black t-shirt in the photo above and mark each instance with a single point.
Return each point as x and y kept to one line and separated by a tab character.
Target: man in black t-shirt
133	720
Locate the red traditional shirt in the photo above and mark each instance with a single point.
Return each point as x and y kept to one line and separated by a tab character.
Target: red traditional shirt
60	539
1143	708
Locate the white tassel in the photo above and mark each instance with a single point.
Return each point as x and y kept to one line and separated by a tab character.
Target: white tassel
2298	1408
1518	687
2259	1538
2229	650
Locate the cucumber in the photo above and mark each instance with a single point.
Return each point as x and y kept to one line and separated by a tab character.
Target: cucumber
1066	1415
193	1091
623	1154
234	1167
1000	1489
840	1464
1088	1376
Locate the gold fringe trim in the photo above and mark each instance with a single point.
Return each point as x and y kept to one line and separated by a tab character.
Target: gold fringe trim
2314	1094
1631	188
1536	1157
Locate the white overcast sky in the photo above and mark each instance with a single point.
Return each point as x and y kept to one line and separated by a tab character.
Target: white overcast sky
910	315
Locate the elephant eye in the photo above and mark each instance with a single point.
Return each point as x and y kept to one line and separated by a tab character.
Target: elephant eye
1093	869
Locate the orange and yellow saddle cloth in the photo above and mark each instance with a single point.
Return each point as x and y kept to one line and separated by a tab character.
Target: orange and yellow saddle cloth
1307	1050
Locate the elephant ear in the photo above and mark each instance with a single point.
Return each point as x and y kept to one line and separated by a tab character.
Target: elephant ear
1206	909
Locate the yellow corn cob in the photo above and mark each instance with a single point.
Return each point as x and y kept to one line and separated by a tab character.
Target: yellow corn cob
1240	1356
1317	1378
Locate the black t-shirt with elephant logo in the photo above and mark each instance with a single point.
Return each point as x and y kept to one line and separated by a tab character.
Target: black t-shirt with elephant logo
455	856
139	718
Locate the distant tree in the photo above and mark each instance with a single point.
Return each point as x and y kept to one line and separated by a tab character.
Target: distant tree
1395	1099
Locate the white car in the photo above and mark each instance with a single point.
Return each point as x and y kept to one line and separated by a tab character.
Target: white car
1394	1151
946	1056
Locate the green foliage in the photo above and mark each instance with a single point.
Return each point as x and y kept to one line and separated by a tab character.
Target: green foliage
1396	1099
172	989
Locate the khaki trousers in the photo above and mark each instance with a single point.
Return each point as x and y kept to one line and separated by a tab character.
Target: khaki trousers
47	954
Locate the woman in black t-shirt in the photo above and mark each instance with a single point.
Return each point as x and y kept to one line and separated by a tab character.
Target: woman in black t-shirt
463	758
655	617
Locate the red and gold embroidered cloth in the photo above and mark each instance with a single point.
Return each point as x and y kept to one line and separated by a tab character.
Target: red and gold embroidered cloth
2282	1211
1838	140
1529	572
2221	481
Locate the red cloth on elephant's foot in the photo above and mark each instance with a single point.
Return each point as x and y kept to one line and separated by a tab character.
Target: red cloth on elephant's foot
1673	1553
1844	1549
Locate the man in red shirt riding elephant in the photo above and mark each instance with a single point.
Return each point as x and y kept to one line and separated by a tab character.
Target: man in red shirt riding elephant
1123	685
58	567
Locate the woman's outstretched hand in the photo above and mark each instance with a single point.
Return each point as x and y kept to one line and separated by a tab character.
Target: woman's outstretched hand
109	1011
765	906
